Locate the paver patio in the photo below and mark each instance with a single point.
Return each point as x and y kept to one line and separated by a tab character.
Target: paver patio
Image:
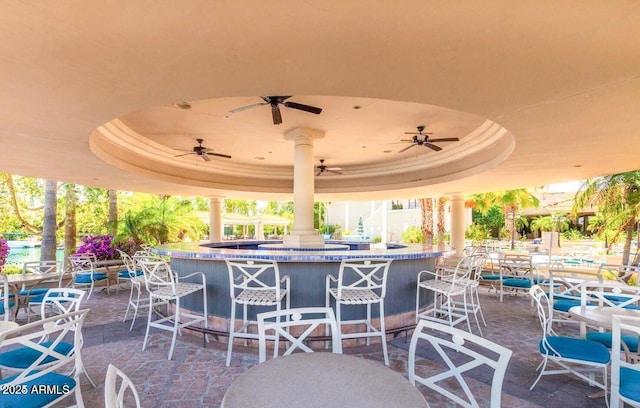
197	376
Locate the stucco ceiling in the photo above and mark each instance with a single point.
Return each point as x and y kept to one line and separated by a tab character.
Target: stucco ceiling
537	92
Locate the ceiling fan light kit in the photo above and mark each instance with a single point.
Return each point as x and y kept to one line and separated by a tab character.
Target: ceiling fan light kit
275	102
325	169
203	152
422	138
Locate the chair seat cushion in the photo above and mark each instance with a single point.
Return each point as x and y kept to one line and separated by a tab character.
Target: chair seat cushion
517	283
490	277
57	384
630	383
86	278
606	339
126	275
577	349
22	357
40	298
11	304
563	305
33	291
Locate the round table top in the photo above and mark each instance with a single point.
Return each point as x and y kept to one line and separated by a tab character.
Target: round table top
601	316
322	380
7	325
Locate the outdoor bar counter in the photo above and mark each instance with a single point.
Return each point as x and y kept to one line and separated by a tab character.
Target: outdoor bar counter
307	270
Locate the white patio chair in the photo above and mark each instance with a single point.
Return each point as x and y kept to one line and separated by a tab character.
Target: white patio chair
477	262
450	290
47	340
296	326
53	269
114	395
516	274
458	352
84	273
625	373
253	282
135	276
565	289
6	298
165	287
360	282
57	302
580	357
131	270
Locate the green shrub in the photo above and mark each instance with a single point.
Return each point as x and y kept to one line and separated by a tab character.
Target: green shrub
11	270
412	235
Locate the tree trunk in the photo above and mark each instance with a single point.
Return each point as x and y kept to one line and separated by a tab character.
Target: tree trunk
48	249
629	229
440	211
113	212
426	209
70	228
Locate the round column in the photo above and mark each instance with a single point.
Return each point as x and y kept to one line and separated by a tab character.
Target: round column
303	234
215	219
457	223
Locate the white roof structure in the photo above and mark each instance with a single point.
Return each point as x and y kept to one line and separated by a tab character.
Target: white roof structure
537	93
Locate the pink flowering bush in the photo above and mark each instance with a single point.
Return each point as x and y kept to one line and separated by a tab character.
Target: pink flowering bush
105	247
4	251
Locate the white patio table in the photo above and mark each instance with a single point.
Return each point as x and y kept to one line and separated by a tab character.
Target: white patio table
600	316
322	380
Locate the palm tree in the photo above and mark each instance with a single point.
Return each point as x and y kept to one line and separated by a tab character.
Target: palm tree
162	219
49	226
440	204
510	201
426	210
617	197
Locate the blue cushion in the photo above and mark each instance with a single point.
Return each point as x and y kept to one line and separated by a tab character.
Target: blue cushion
606	339
33	291
490	277
40	298
125	274
86	278
577	349
563	305
22	357
630	383
11	304
58	383
517	283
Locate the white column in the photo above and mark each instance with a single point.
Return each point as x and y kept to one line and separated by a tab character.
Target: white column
458	224
303	234
215	219
385	222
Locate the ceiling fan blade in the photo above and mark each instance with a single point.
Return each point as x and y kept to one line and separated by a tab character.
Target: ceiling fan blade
319	172
306	108
334	168
185	154
334	171
205	157
406	148
244	108
275	114
226	156
445	139
433	147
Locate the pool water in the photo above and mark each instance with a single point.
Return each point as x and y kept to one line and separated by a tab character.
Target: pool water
17	256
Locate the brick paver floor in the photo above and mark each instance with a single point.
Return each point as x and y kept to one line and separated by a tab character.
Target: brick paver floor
197	376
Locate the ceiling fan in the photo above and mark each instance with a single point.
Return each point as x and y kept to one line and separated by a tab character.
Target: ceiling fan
275	102
324	169
204	152
422	139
